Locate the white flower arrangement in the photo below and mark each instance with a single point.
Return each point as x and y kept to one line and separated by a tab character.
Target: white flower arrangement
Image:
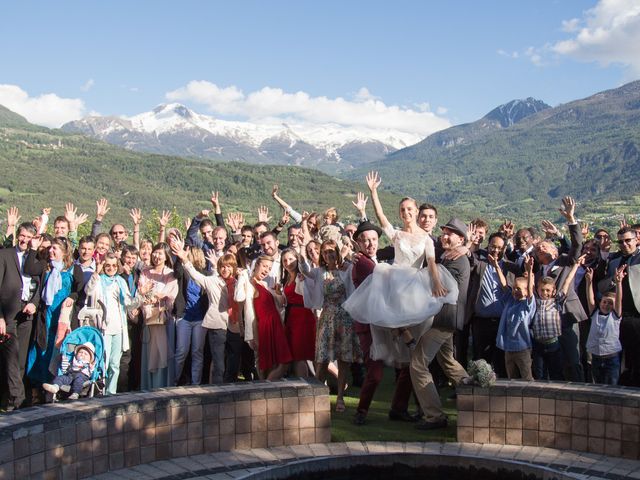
482	373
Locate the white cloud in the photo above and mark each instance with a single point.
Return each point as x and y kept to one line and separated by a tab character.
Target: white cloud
47	109
88	85
268	103
608	33
504	53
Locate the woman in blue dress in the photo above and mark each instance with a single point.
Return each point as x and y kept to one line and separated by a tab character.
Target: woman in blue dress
62	280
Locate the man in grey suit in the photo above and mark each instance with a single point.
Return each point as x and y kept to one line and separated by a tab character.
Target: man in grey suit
629	255
551	264
19	296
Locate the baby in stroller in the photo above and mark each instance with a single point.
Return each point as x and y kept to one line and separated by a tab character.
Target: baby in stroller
79	372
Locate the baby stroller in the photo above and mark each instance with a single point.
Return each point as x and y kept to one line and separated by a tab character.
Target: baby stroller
77	337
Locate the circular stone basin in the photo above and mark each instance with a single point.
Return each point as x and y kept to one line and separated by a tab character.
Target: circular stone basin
407	466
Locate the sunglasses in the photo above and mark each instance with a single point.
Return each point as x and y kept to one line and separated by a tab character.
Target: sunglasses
625	240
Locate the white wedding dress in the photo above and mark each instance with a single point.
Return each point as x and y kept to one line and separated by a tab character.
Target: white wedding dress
400	295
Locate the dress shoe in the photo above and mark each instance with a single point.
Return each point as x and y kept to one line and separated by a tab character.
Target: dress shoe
433	425
401	416
359	418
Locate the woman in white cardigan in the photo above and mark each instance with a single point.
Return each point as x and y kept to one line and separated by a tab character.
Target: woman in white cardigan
112	291
216	319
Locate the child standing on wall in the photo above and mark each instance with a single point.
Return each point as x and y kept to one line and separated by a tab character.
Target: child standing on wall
603	342
514	336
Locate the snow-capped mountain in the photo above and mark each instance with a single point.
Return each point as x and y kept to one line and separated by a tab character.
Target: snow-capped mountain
175	129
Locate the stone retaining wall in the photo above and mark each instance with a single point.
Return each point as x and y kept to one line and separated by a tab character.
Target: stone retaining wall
589	418
84	438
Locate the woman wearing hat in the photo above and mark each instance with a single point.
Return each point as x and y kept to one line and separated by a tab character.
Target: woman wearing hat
403	294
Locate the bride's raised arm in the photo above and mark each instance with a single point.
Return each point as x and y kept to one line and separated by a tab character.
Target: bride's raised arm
373	181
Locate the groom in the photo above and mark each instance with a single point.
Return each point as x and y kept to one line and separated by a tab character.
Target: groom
367	236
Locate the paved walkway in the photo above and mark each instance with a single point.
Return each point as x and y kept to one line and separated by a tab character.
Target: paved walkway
236	464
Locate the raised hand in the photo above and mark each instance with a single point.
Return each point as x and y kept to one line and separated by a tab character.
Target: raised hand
235	221
493	261
215	201
568	209
623	222
528	265
507	228
263	214
360	203
164	218
620	273
70	212
36	242
585	229
177	247
373	181
136	216
211	258
80	219
274	190
588	275
285	218
102	208
46	211
472	232
13	217
187	223
605	244
549	229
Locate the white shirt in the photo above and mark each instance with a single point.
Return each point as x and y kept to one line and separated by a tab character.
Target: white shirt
26	280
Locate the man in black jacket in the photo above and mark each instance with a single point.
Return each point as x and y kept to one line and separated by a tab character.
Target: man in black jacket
19	297
437	342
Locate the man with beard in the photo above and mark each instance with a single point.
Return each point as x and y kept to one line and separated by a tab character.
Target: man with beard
367	235
437	342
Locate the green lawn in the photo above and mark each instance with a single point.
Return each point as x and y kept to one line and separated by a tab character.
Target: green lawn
378	426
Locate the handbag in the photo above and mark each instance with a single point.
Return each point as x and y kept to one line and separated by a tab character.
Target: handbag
154	315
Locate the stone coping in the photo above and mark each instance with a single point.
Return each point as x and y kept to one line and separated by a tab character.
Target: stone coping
244	463
53	416
584	392
89	437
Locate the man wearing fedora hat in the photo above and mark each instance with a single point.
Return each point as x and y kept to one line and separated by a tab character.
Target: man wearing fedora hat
437	342
366	236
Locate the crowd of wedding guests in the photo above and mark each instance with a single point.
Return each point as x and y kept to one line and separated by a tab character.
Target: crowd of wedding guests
231	301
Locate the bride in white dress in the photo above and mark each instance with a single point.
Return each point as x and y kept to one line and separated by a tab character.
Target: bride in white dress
403	294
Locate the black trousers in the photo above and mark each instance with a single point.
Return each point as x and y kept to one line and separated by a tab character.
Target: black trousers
484	332
13	357
630	339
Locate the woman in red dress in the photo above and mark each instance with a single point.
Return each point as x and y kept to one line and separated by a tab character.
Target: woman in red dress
300	322
269	339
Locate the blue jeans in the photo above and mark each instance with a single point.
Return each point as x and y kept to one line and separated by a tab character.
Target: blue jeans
606	370
189	336
547	361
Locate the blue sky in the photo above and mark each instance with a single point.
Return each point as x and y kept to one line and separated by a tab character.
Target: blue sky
436	62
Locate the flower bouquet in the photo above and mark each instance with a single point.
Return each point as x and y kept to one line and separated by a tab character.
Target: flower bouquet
481	373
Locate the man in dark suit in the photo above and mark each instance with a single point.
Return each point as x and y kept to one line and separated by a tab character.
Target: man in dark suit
19	298
551	264
437	342
367	236
630	324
